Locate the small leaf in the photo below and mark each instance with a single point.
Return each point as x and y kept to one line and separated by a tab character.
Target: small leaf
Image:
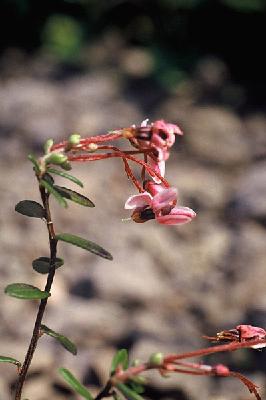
42	264
54	192
10	360
127	392
66	166
48	178
48	145
30	208
34	161
138	388
75	384
65	175
84	244
74	196
120	358
25	291
63	340
117	397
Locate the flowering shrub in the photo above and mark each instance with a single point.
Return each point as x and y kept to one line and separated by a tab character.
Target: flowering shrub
155	199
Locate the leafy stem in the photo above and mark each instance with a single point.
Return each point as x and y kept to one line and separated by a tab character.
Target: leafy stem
43	303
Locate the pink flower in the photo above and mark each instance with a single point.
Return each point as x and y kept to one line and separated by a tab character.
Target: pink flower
163	134
158	203
158	136
249	332
242	333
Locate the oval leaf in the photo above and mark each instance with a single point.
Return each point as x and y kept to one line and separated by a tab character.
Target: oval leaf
63	340
10	360
84	244
65	175
75	384
120	358
127	392
74	196
54	192
25	291
30	208
42	264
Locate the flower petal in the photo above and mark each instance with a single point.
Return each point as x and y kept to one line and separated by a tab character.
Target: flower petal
159	167
165	198
138	201
177	216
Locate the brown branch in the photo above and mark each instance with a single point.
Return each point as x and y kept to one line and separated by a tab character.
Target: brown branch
43	303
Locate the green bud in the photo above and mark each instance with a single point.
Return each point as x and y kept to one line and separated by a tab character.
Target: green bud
56	158
74	139
135	362
156	359
47	145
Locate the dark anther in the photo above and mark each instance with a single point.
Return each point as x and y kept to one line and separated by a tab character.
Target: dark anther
143	133
162	134
147	214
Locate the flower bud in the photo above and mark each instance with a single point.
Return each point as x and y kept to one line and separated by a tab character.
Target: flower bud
56	158
156	359
74	139
48	145
135	362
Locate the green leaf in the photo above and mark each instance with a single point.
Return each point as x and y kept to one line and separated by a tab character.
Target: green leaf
48	178
138	388
65	175
63	340
54	192
74	196
127	392
75	384
116	396
10	360
42	264
120	358
30	208
34	161
84	244
48	145
25	291
66	166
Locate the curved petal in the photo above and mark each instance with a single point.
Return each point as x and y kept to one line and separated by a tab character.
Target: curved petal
167	127
138	201
177	216
165	198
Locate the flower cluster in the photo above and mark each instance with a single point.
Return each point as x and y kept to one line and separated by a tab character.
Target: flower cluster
156	198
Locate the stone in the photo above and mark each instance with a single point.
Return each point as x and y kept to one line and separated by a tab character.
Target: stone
216	135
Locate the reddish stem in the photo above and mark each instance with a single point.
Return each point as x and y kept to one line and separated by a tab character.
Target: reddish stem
215	349
94	157
92	139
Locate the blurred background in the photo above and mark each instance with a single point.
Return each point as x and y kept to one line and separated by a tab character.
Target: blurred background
89	66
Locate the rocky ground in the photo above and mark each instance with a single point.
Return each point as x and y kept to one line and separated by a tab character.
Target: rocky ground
167	286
